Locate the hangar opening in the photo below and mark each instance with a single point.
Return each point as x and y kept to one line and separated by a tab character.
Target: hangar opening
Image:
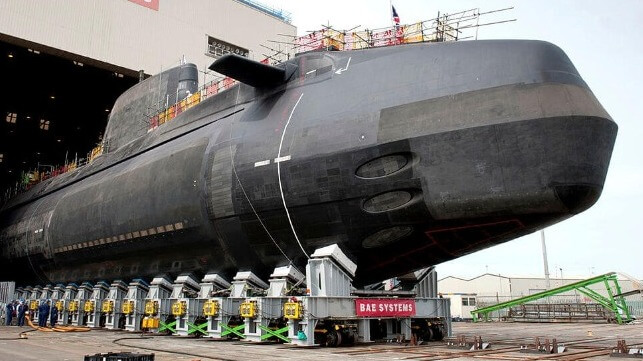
54	108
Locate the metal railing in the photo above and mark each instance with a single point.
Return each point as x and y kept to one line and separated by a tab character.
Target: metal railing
172	111
445	27
279	14
634	307
33	177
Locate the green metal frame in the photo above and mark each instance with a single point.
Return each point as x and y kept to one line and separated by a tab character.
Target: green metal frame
615	302
276	333
236	330
167	326
197	328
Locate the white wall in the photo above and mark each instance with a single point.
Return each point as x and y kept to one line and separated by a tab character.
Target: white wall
128	35
485	285
458	310
488	286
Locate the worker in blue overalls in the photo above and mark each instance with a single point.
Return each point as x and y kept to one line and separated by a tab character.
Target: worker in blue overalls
22	308
43	314
54	316
41	309
9	313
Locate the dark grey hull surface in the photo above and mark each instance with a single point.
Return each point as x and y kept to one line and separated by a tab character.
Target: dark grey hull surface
406	157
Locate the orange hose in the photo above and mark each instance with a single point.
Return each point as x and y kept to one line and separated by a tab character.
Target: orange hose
56	328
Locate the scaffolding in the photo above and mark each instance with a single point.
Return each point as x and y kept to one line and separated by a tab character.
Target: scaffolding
445	27
614	302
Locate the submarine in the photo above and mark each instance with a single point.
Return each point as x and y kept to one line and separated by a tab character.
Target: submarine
405	156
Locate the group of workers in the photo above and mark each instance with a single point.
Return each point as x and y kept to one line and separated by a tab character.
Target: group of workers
19	309
16	309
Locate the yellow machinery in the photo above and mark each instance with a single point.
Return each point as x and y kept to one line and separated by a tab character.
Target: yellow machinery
111	305
185	308
77	306
248	309
92	305
179	308
108	306
151	308
89	306
73	306
157	305
60	305
128	307
64	315
33	307
133	304
211	308
293	310
150	322
217	311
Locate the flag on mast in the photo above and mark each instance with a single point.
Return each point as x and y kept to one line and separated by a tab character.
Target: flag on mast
396	18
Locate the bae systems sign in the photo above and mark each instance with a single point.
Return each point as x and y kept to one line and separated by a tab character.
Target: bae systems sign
384	307
152	4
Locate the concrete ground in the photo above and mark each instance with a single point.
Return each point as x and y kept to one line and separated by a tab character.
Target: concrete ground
583	342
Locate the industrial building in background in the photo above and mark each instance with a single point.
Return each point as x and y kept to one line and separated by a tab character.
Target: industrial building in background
65	63
570	303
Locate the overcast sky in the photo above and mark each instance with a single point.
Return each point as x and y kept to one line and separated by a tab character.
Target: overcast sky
604	41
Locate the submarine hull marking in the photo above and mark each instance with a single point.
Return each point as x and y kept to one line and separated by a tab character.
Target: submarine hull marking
262	163
281	189
282	159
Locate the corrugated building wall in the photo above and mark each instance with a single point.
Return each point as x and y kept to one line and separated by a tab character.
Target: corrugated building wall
7	290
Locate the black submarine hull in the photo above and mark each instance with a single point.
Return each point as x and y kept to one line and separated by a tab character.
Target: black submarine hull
406	157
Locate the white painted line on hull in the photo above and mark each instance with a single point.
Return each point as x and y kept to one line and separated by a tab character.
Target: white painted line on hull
281	188
282	159
262	163
341	70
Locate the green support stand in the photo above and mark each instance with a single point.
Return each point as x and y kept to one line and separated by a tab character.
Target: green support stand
167	326
197	328
233	330
277	333
615	302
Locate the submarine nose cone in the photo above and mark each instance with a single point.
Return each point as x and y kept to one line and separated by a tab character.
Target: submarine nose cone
578	197
576	159
578	163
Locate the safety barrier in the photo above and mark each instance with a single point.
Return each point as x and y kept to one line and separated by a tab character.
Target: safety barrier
443	28
204	92
34	177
